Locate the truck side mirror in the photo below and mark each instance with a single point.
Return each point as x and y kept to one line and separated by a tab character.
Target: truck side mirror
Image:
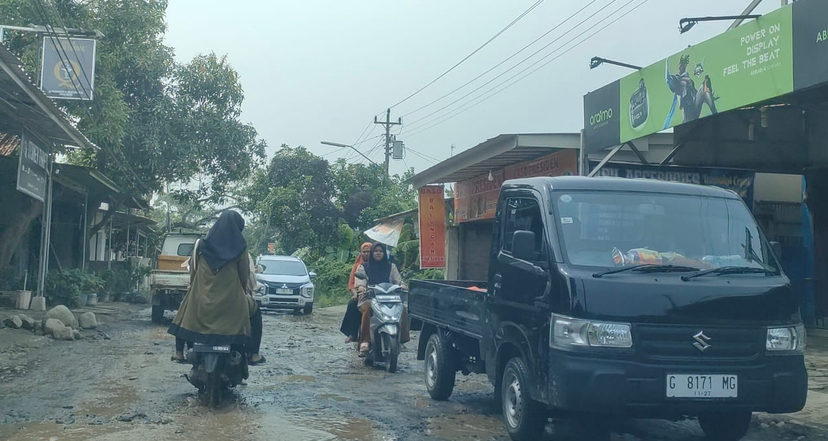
777	249
523	246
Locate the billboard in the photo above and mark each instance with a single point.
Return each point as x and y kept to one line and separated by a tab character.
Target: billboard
68	68
432	227
765	58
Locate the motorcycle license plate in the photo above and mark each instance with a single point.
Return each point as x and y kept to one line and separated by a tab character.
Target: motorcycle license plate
702	386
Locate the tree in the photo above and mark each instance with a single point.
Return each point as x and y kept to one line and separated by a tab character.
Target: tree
155	121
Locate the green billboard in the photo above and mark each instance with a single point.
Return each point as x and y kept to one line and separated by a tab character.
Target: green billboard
779	53
749	64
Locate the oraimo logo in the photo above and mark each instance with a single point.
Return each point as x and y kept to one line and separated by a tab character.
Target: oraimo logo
601	118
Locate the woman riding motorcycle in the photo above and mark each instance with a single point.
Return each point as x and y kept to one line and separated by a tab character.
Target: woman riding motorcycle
216	309
378	269
351	320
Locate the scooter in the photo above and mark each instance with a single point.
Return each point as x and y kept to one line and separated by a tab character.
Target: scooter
387	308
216	368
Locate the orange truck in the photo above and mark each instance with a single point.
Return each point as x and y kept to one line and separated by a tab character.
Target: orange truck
170	277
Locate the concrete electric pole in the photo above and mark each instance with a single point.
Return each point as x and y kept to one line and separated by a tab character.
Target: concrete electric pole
387	123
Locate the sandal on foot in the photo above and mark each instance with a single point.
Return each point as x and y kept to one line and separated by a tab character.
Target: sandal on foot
178	360
262	360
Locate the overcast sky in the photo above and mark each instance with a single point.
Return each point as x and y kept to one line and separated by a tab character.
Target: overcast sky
319	70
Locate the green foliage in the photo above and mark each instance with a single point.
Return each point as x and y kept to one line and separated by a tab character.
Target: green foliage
65	287
331	283
116	281
156	121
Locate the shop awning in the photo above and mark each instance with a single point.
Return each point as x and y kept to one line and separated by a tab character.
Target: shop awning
495	154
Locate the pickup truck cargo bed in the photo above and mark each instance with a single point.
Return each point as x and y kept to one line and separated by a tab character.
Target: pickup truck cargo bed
449	304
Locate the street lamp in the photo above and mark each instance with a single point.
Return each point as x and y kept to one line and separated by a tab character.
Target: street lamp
685	24
597	61
336	144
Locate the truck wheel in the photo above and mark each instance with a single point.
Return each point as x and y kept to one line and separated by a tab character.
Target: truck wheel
308	308
725	426
157	313
439	368
525	418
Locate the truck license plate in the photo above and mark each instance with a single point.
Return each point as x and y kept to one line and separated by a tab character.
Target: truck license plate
284	291
702	386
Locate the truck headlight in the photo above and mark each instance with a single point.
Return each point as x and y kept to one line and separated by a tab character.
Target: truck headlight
566	333
789	339
306	291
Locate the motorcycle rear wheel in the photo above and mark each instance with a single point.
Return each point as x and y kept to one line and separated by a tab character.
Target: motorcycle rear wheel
214	390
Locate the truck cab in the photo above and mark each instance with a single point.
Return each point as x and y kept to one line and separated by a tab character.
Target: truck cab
171	277
622	298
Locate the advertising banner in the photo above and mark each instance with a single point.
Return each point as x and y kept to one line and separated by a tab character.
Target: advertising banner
33	168
68	68
772	56
387	232
740	181
432	227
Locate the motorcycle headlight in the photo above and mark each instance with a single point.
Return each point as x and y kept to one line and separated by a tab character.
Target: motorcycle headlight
786	339
568	333
307	291
392	313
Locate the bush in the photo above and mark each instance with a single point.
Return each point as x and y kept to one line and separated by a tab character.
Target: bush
63	287
116	281
331	282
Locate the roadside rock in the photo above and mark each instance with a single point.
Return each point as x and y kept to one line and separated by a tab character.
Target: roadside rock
76	335
50	326
63	314
130	416
28	322
13	321
88	320
63	333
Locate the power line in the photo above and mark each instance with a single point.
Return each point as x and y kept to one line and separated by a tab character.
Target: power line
504	61
524	14
463	109
513	67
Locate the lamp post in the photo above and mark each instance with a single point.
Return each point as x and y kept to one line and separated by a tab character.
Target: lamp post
336	144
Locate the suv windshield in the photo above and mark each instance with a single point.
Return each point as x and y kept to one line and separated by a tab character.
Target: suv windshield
283	267
616	229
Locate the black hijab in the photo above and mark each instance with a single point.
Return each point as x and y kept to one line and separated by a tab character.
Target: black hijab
378	271
224	242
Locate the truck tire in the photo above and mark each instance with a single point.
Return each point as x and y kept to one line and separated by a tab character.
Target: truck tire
157	313
524	417
725	426
308	308
439	368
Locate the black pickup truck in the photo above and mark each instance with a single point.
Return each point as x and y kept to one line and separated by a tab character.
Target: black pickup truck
615	298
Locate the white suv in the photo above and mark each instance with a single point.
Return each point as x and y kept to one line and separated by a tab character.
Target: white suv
284	283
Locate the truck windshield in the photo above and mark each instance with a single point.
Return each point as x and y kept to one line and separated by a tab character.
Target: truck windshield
616	229
283	267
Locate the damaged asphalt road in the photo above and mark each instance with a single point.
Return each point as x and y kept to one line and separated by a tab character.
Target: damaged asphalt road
313	387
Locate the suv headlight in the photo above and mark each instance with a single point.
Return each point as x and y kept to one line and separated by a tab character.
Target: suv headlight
567	333
306	291
786	339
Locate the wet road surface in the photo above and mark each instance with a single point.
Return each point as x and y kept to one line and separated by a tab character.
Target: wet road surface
313	387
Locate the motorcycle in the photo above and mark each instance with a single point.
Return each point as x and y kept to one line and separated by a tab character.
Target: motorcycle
386	313
216	368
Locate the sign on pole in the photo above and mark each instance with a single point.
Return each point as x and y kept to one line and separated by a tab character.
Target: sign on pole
68	71
432	227
33	169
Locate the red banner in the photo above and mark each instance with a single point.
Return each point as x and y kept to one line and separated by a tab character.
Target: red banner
432	227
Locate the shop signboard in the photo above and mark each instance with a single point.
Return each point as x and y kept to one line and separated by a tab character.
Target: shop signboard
432	227
32	169
68	68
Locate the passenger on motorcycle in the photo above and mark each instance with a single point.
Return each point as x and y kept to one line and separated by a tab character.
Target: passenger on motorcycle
351	320
217	309
378	269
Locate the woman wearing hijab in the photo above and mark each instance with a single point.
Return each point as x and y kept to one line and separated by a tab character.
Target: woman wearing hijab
216	309
378	269
351	321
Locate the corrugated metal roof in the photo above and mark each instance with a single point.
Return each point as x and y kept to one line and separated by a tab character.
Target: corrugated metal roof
494	154
8	144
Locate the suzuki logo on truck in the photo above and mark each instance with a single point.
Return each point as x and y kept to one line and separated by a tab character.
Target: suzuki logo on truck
701	341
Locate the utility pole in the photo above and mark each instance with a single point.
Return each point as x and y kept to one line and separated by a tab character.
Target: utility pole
387	123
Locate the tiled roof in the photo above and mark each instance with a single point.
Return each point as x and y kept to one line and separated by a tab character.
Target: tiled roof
8	144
